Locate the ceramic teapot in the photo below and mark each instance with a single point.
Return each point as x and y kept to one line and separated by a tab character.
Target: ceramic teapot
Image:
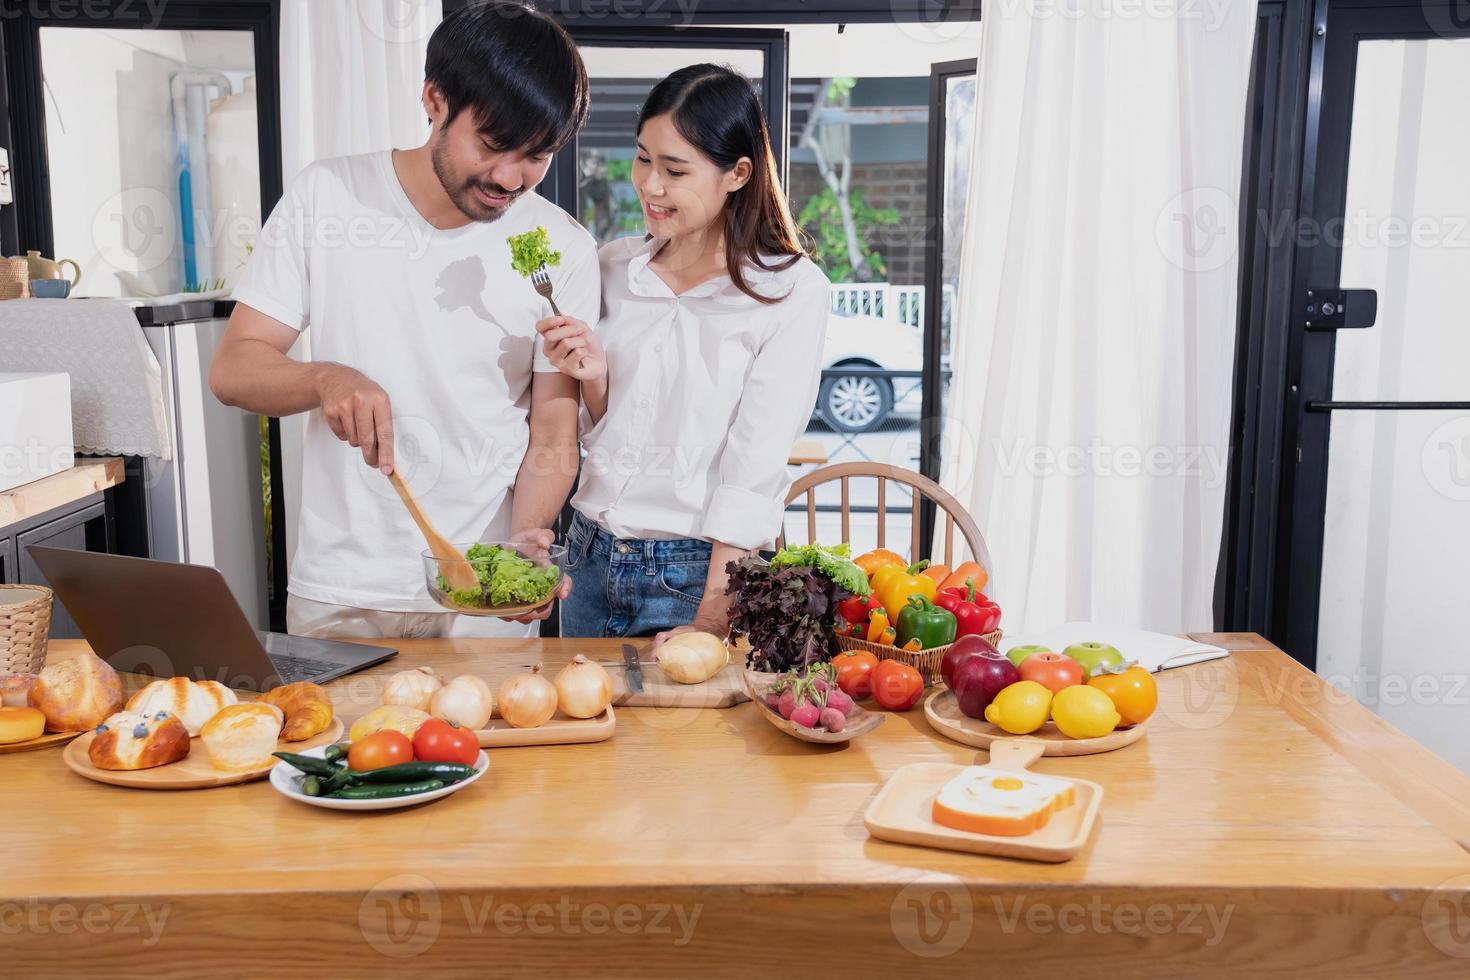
44	268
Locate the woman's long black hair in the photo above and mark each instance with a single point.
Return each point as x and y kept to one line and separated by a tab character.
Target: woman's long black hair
717	110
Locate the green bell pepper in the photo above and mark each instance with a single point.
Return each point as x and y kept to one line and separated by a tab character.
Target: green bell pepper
922	620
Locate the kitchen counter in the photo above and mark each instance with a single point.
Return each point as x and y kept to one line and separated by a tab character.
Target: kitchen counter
87	477
1266	824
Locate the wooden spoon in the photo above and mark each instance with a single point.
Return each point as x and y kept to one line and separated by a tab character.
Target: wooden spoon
458	573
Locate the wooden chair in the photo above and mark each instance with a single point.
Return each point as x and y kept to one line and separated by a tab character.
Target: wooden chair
922	488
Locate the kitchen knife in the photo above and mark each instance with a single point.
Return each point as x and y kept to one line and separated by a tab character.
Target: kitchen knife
632	669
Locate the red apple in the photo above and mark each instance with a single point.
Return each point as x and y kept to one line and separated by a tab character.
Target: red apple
959	651
979	679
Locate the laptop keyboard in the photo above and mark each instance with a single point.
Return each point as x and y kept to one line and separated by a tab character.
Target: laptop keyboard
294	669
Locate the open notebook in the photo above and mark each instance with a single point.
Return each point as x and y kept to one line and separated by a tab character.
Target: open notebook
1155	651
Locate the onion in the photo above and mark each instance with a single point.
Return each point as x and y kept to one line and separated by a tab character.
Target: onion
692	658
583	688
527	700
412	688
466	700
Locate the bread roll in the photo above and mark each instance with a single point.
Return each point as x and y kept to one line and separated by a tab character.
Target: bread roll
15	690
132	740
243	736
20	725
192	702
308	709
77	694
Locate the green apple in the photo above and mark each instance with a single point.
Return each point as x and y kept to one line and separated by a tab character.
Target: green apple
1092	655
1017	654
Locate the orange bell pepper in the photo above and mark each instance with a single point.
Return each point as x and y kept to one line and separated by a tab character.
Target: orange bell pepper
876	559
966	570
894	584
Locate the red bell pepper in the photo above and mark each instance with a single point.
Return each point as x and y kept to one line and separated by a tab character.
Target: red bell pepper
857	610
976	614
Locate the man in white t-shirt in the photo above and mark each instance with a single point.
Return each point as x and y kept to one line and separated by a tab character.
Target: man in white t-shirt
424	351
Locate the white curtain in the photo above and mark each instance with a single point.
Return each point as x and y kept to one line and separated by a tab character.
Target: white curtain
352	76
1088	426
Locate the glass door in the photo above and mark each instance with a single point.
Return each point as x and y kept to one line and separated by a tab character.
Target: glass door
592	181
1380	525
951	137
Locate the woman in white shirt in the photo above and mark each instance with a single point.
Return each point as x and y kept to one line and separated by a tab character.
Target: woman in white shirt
700	375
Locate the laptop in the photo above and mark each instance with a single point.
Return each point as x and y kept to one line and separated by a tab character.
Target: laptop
172	620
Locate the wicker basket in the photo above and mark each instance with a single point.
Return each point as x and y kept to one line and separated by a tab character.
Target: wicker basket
15	278
25	622
927	661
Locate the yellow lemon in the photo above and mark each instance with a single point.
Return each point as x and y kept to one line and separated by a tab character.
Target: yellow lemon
1084	712
1020	708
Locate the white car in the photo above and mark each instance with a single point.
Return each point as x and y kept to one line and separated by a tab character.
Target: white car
859	402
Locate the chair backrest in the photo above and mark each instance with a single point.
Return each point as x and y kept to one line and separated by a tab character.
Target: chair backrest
921	487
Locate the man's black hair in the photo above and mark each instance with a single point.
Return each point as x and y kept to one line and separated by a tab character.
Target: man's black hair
515	69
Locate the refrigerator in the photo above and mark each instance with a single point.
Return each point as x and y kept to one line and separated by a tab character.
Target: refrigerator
206	504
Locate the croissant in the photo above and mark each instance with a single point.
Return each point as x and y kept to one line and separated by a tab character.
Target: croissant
308	709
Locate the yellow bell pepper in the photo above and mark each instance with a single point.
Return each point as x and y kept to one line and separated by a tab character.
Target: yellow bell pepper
893	584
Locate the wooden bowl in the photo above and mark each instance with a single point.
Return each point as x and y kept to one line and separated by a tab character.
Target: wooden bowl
943	712
860	722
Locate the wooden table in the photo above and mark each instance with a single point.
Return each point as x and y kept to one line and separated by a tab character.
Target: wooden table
1265	826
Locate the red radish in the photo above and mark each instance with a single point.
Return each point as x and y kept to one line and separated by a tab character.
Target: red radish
787	703
837	698
819	685
773	701
833	720
807	715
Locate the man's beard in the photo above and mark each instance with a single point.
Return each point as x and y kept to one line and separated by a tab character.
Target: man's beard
462	193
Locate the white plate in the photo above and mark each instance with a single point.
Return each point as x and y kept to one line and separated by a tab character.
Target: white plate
283	774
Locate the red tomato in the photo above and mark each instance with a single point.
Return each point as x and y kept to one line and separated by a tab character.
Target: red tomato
380	750
855	673
896	686
1052	671
438	741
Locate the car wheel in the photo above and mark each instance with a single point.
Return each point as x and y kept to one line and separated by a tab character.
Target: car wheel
855	402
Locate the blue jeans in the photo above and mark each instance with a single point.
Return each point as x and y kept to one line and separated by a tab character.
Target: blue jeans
630	586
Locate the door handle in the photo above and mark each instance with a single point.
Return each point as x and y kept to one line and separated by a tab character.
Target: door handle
1340	309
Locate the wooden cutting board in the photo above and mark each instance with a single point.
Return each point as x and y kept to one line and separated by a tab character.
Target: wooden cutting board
560	730
902	812
194	771
724	690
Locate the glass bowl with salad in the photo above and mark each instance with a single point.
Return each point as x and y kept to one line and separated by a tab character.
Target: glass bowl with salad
515	578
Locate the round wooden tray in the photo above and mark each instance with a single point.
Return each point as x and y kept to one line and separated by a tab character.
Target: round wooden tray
943	713
860	722
50	738
195	771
